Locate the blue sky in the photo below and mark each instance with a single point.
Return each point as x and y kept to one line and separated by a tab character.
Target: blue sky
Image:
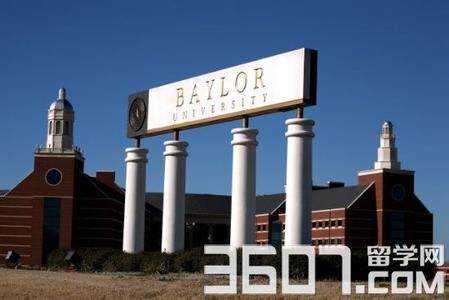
378	60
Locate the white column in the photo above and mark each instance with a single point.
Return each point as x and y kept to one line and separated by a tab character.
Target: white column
173	218
134	223
243	209
298	210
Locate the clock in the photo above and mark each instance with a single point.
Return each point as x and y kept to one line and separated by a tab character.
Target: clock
137	114
53	177
398	192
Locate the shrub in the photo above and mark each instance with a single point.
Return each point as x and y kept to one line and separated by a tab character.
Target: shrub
156	262
56	259
190	261
122	262
114	260
93	259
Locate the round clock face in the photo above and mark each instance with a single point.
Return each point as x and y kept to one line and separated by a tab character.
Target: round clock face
398	192
53	177
137	114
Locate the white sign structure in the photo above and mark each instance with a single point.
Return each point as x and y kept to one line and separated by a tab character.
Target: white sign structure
275	83
281	82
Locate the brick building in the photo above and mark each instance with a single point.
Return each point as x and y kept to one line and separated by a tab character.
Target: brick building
57	205
381	210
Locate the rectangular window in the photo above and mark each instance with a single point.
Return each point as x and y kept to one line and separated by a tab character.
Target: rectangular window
397	228
339	241
52	210
340	222
320	224
313	224
264	227
326	224
333	223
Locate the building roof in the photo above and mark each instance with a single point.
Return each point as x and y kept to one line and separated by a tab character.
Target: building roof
88	187
265	204
61	104
322	198
340	197
197	203
2	192
327	198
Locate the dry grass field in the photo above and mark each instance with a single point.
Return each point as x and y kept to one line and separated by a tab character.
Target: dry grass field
25	284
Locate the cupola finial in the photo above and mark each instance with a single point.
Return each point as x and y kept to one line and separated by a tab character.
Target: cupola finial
387	153
61	93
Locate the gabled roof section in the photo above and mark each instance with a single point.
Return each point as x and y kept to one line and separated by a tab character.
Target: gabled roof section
88	187
340	197
420	205
325	198
266	204
18	185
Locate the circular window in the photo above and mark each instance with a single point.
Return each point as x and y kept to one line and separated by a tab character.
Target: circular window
53	177
398	192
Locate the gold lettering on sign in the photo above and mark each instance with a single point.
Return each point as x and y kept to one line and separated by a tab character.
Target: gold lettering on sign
209	88
223	93
238	87
180	99
259	74
194	95
241	82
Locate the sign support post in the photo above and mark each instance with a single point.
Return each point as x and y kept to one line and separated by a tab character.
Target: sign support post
243	199
298	192
173	215
134	222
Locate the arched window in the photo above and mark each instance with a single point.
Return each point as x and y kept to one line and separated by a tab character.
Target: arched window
66	128
50	125
58	127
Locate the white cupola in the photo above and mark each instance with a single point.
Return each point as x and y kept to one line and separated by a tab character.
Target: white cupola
60	124
387	153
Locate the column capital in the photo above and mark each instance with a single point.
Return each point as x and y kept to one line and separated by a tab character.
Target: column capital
244	136
134	154
175	148
299	127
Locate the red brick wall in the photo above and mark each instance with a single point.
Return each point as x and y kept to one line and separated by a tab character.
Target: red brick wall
327	229
98	222
418	221
16	230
